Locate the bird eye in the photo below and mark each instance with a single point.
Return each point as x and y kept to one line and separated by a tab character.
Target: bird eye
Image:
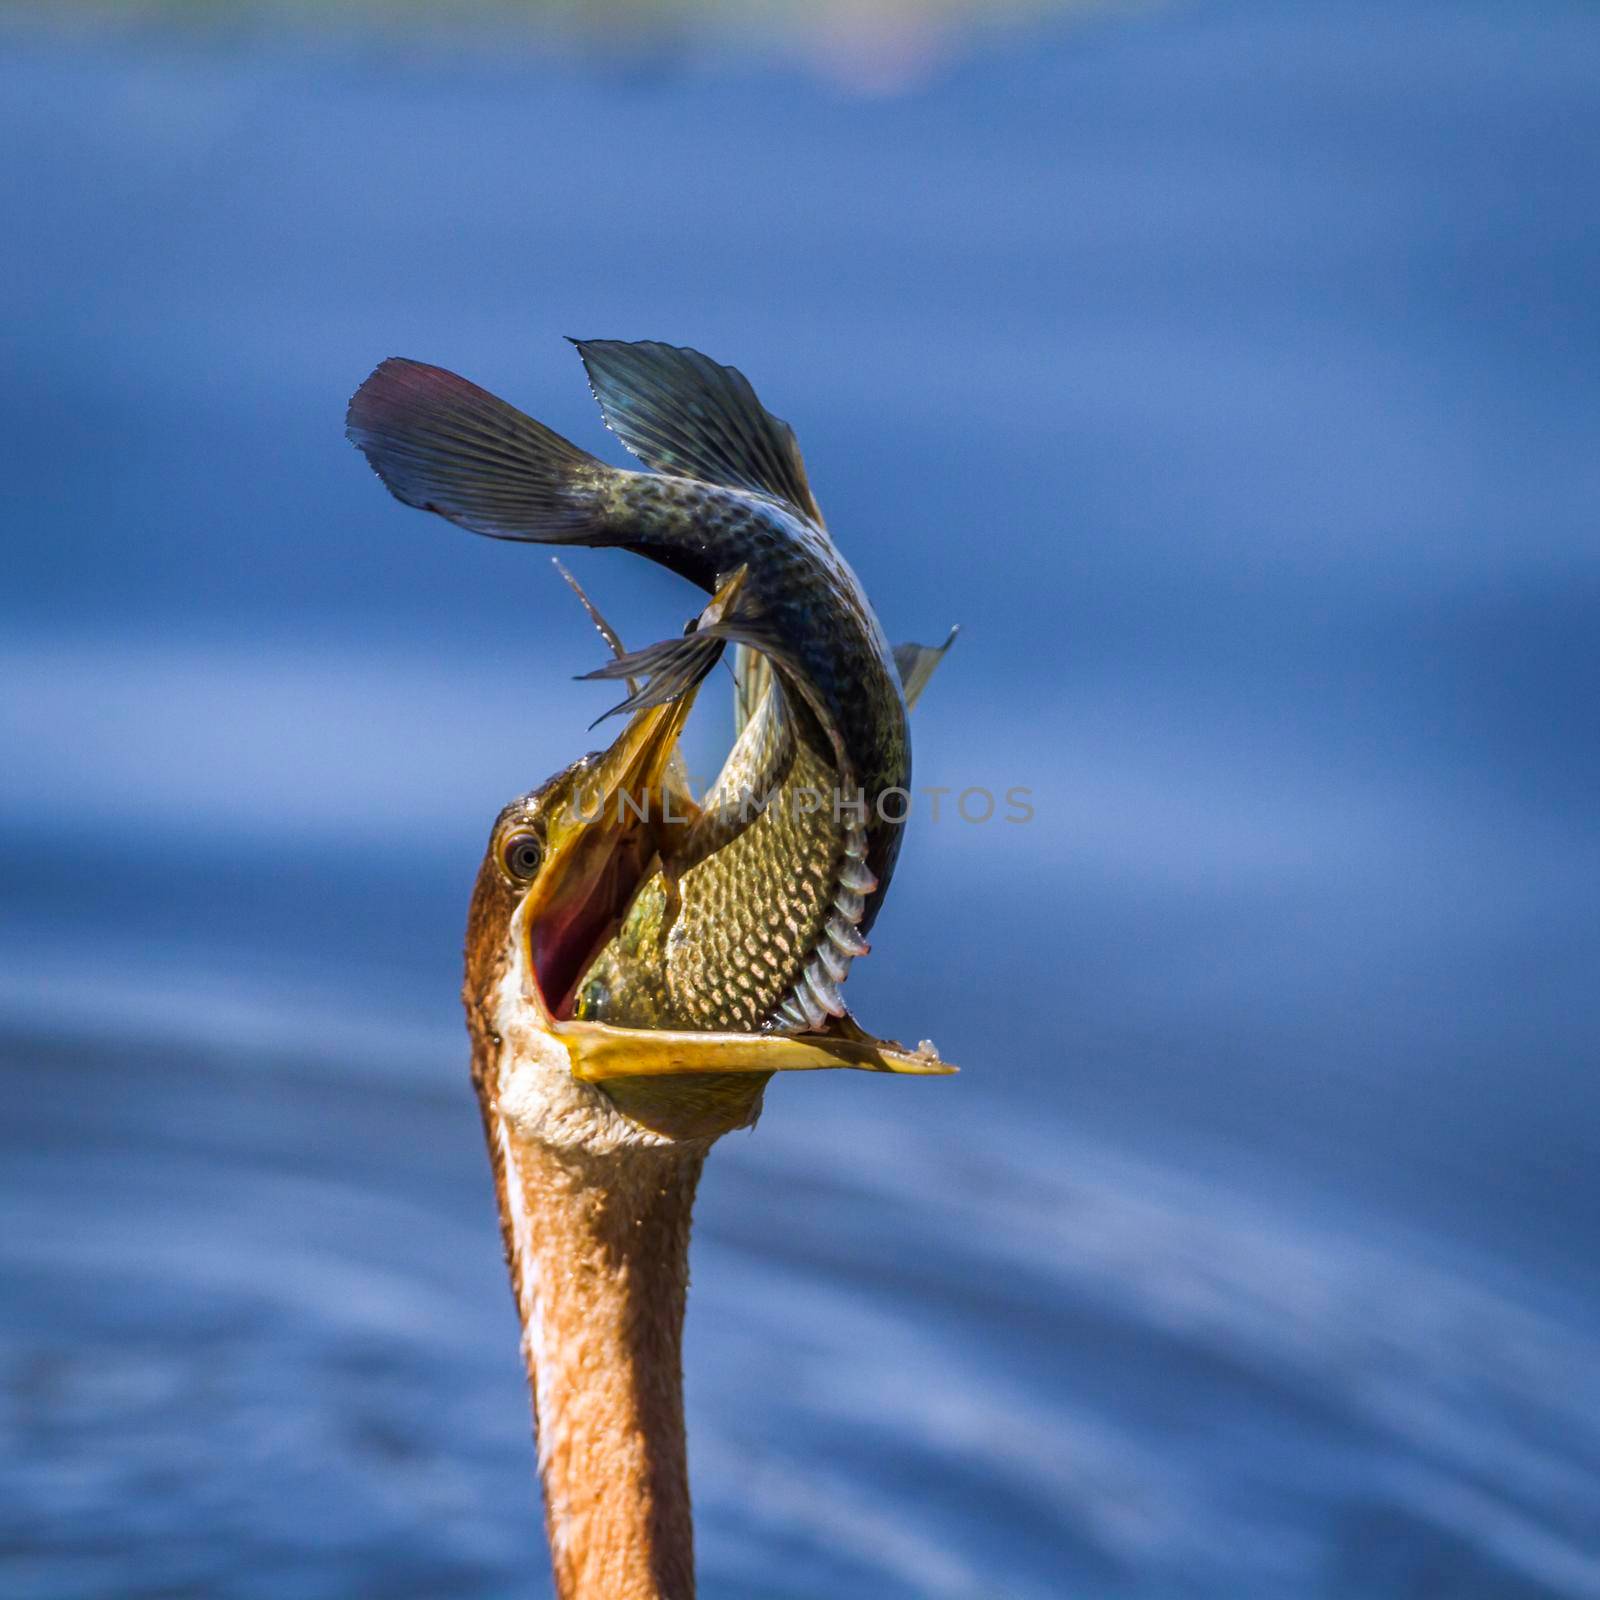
521	854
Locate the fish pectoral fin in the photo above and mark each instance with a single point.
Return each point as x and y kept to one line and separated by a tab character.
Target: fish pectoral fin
677	774
916	663
671	669
685	414
599	1051
674	666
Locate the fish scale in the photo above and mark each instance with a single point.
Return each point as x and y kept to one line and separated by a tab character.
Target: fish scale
749	920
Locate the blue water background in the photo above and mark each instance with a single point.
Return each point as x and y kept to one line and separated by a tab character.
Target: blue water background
1229	372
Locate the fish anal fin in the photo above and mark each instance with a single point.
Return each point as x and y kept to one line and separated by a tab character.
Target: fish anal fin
916	663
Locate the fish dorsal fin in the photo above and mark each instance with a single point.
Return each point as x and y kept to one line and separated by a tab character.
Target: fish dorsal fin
916	663
684	414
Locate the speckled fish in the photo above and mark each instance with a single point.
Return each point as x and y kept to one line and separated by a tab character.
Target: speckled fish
708	940
703	943
755	925
563	865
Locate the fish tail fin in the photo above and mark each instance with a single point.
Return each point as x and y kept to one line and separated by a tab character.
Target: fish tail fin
442	444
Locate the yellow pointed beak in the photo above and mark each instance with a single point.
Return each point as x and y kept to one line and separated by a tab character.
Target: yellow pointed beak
599	843
600	1051
625	793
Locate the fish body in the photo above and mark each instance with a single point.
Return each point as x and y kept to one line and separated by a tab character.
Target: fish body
759	931
724	951
709	944
817	623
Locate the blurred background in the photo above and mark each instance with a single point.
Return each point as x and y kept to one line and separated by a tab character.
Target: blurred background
1228	371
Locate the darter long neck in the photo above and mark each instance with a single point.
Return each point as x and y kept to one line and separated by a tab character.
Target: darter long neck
595	1207
601	1277
596	1223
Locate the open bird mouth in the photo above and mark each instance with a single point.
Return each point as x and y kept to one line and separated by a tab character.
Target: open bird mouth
602	844
565	936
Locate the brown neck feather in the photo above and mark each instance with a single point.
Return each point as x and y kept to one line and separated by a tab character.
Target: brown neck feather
601	1288
596	1227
